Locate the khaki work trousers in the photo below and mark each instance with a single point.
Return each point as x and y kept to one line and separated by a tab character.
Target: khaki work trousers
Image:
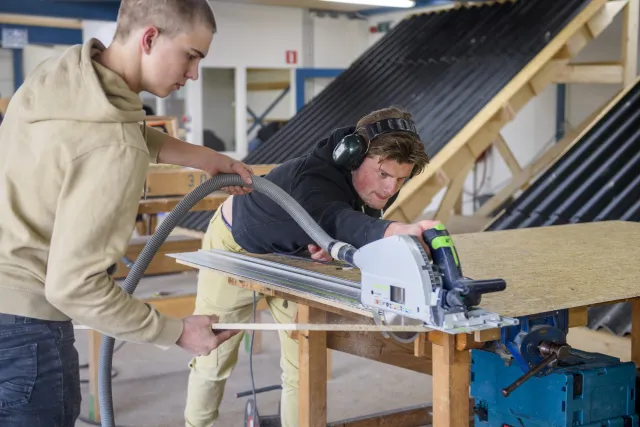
232	304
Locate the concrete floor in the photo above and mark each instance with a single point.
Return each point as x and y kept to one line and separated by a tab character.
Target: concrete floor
151	384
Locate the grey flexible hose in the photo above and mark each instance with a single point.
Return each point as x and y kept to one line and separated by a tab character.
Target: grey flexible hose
339	250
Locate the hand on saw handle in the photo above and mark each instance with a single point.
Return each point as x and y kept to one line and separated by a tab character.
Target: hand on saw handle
416	229
462	291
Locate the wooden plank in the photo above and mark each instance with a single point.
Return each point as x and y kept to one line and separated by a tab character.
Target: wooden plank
345	327
167	204
586	339
501	108
578	316
167	124
420	415
312	399
453	193
550	156
95	339
295	296
507	155
175	306
180	181
630	41
545	268
450	385
160	264
635	332
373	346
590	73
40	21
4	104
555	267
266	86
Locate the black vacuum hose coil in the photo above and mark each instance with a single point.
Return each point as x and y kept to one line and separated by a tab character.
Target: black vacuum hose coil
338	250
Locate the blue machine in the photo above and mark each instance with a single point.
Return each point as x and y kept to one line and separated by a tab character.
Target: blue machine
531	377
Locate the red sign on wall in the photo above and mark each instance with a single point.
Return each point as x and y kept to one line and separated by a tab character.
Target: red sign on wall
292	57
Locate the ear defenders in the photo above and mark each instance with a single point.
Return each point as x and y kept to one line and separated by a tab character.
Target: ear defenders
352	149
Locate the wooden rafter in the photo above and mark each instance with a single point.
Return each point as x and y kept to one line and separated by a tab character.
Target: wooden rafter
551	65
549	158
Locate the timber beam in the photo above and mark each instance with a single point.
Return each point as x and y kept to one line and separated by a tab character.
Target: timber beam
550	66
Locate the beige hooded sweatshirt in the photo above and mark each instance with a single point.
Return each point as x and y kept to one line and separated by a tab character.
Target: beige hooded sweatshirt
73	160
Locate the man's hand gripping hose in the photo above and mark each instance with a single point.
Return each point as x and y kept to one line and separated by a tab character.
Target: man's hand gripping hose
338	250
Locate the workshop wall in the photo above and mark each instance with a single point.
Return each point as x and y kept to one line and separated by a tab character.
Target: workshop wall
583	99
6	73
334	42
33	55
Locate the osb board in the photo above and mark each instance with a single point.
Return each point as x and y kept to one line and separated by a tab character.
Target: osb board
546	268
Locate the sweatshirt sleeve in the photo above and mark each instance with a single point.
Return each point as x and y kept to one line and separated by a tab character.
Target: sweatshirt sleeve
93	225
328	204
155	139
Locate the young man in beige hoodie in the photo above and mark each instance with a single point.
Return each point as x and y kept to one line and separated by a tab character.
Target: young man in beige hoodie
73	160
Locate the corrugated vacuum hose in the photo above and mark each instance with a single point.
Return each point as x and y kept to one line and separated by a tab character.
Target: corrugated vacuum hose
338	250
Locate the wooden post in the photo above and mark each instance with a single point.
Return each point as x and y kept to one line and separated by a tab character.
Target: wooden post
95	339
635	332
312	394
630	41
453	193
451	382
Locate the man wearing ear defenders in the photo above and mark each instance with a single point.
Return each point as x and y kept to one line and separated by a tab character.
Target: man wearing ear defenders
345	183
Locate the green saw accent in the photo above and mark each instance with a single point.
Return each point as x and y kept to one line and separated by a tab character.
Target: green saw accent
440	227
445	242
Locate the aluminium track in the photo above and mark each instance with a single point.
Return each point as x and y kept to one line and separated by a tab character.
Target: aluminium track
319	285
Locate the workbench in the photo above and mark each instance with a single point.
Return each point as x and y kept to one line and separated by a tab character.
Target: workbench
569	267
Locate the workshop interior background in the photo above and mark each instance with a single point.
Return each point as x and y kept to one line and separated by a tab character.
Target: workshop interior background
269	62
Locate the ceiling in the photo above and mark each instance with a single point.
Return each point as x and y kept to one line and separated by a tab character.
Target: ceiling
309	4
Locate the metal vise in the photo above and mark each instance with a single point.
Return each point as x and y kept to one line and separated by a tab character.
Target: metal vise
550	383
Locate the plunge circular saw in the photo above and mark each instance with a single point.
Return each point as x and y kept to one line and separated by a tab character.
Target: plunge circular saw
416	291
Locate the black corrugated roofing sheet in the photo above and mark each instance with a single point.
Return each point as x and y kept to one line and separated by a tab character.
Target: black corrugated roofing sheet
598	179
444	67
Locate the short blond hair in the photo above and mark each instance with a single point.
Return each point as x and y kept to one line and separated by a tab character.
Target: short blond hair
400	146
171	17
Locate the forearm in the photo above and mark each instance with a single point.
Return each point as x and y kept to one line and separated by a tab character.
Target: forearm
176	152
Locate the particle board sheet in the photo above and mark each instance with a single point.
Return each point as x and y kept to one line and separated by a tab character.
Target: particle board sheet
595	180
547	268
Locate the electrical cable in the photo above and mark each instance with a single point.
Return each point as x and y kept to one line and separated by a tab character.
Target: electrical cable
253	384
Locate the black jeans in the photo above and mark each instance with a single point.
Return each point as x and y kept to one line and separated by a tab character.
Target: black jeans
39	373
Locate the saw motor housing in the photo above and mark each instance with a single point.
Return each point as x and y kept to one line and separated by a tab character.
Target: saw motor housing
397	277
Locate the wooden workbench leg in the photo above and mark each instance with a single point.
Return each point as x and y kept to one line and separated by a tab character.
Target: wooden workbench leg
451	370
635	332
312	382
95	339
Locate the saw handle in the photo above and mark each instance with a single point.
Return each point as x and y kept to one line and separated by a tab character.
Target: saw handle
483	286
445	256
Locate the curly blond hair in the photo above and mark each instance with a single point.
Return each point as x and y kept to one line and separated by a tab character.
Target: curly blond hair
399	146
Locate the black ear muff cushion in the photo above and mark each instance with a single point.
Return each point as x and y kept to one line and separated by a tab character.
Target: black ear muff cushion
349	151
